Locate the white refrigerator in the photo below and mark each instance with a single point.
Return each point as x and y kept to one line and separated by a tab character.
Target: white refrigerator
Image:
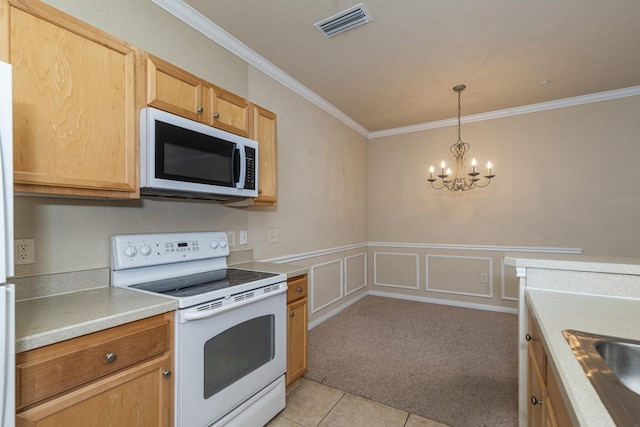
7	291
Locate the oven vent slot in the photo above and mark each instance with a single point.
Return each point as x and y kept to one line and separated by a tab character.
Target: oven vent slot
245	296
272	288
211	306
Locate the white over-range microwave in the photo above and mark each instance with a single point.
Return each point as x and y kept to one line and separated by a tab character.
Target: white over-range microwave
186	159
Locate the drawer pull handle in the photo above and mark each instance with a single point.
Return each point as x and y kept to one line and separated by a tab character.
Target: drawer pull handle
216	115
291	314
530	337
200	110
535	401
299	289
166	373
111	357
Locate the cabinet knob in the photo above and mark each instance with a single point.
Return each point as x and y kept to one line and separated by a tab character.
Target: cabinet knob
216	115
529	337
535	401
299	289
259	191
200	110
111	357
291	314
166	373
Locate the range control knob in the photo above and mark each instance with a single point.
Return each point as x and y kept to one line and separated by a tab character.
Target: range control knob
223	243
214	244
130	251
145	250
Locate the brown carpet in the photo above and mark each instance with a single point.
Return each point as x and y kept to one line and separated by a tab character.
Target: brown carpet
457	366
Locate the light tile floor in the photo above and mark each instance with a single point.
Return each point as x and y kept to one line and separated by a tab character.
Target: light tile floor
312	404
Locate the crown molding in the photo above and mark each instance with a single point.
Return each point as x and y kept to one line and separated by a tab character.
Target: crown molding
199	22
515	111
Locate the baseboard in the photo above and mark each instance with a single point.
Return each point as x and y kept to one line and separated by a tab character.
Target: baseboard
462	304
335	311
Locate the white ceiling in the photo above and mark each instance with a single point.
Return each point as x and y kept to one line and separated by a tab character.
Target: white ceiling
399	70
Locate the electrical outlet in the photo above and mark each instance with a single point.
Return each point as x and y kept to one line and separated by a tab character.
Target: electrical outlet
231	237
484	278
25	251
244	238
273	235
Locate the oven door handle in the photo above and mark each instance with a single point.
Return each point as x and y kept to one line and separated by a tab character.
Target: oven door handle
190	316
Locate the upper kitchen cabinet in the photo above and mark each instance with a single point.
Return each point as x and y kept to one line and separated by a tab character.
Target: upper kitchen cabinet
228	111
264	131
173	89
74	99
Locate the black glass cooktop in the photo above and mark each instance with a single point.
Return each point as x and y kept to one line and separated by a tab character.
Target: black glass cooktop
210	281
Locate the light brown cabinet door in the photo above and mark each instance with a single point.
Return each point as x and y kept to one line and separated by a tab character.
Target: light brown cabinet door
296	340
228	111
536	394
74	99
139	396
264	130
172	89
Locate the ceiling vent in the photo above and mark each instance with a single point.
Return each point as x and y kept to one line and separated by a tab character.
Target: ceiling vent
344	21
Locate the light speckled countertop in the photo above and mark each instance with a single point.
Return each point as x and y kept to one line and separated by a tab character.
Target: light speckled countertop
291	270
584	263
47	320
556	311
43	319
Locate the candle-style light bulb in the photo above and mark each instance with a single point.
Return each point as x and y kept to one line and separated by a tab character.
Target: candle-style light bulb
448	171
489	165
431	172
473	163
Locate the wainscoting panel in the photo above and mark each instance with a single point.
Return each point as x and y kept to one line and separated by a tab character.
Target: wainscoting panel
355	273
399	270
461	275
325	282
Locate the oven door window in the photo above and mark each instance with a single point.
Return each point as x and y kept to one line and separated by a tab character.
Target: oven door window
185	155
237	352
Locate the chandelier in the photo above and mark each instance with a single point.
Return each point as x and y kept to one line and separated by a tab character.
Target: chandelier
459	179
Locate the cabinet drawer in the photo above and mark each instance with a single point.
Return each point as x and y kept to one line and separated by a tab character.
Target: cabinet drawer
296	288
50	370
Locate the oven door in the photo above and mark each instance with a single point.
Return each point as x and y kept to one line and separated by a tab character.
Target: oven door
226	355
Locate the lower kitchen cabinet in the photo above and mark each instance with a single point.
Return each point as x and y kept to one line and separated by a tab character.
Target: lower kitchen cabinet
117	377
547	405
297	308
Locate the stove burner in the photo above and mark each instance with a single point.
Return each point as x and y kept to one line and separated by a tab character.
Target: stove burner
196	284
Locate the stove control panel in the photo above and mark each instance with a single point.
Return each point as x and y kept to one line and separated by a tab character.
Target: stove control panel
144	250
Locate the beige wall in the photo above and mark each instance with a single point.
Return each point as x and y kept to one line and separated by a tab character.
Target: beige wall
322	177
565	178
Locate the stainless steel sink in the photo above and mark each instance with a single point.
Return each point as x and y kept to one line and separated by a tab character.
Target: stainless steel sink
613	367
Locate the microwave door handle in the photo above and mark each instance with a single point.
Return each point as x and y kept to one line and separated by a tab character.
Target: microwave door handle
236	166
